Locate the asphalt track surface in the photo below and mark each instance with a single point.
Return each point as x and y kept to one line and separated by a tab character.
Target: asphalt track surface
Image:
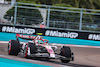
84	57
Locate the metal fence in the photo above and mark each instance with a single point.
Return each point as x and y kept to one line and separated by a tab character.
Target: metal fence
54	17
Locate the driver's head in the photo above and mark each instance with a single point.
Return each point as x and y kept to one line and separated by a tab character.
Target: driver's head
40	41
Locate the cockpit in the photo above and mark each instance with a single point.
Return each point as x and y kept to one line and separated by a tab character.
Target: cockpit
40	42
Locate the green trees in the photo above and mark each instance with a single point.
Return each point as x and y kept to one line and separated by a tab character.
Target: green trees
89	4
59	19
24	16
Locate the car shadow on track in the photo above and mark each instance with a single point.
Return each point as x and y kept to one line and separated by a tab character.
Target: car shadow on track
65	64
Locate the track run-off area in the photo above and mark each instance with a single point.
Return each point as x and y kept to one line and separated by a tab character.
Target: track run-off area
86	53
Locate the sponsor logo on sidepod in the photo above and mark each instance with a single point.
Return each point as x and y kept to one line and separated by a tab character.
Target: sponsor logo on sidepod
61	34
18	30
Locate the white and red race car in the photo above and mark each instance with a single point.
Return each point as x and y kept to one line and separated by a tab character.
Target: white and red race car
38	47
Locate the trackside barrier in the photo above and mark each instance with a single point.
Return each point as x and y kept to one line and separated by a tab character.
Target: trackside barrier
50	32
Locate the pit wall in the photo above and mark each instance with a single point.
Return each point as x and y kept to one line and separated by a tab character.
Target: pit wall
8	32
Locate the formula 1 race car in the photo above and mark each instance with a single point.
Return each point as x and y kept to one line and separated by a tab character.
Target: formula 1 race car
37	47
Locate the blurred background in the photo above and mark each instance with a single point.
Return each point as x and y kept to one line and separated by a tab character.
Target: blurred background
82	15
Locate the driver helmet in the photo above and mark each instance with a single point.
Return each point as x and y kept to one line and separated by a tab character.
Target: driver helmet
40	41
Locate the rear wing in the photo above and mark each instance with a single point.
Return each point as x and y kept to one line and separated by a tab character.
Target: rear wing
26	37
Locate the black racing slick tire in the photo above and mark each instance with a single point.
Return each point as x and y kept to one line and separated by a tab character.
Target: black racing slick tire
66	52
29	47
13	47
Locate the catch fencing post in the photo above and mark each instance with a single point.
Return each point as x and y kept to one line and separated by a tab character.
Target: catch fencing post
48	18
80	25
15	15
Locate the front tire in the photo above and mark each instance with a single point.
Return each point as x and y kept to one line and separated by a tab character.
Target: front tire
13	47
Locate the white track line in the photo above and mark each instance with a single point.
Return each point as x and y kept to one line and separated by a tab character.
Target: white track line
3	41
72	45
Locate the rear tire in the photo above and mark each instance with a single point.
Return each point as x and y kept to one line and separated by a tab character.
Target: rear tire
13	47
66	52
